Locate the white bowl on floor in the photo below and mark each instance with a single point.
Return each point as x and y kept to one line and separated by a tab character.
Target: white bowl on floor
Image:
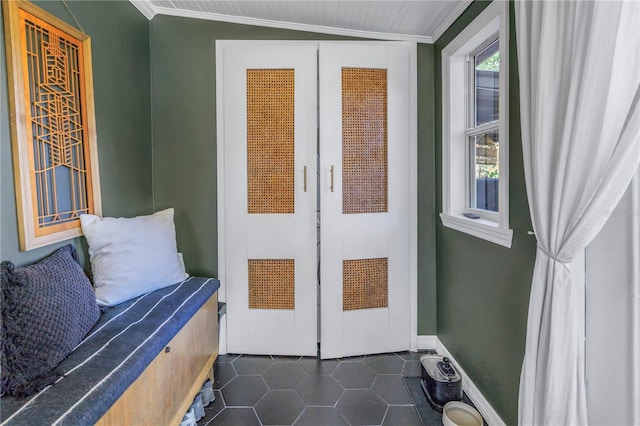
455	413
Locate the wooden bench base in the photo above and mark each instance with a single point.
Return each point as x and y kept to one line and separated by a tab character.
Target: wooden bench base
166	388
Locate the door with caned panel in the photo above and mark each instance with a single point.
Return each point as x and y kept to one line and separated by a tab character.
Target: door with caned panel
270	106
270	132
364	188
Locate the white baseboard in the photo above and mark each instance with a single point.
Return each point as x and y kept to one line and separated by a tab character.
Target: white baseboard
427	342
484	407
222	336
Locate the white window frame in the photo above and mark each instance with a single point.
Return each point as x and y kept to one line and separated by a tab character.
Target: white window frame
493	227
476	130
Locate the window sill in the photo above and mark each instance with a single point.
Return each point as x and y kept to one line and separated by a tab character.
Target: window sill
480	228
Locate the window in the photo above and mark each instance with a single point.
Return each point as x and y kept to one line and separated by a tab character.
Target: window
483	127
474	137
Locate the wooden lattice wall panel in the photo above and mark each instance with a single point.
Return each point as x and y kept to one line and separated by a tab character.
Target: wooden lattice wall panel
271	284
270	140
364	140
54	75
52	124
365	283
57	124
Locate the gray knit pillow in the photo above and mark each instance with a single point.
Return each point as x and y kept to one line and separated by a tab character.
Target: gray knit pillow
47	309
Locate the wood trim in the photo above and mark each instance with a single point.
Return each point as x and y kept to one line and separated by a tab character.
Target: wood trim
166	388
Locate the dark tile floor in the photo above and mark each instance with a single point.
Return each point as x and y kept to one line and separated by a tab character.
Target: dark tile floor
264	390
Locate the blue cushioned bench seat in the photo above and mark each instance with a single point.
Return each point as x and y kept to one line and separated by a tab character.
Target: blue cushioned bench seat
112	356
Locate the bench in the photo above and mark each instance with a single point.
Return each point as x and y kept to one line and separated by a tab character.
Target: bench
142	363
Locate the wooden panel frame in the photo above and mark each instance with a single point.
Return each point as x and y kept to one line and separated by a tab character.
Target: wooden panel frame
31	233
165	390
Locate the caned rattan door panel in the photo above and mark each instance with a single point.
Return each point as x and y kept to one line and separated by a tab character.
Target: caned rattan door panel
269	104
365	284
364	140
270	196
364	197
270	140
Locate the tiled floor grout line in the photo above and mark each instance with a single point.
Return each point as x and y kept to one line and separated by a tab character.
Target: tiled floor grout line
391	365
385	414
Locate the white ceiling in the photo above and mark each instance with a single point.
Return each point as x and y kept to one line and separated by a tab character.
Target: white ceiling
423	20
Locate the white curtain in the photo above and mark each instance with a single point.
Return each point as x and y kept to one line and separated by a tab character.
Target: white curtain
579	69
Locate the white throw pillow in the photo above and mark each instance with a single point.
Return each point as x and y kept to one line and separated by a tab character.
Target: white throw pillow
132	256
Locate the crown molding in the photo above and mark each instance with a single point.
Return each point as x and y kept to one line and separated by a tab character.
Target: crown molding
289	25
444	26
144	7
149	11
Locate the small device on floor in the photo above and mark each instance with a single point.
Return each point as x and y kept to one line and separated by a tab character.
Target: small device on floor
440	382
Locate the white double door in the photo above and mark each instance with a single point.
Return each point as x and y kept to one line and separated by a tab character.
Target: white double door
314	196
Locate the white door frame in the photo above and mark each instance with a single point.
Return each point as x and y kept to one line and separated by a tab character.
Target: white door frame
220	46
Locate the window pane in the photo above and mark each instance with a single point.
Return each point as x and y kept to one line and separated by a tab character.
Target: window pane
485	171
487	73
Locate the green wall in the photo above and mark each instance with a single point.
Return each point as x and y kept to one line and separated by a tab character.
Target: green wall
483	288
184	139
184	126
156	81
176	58
427	214
120	54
